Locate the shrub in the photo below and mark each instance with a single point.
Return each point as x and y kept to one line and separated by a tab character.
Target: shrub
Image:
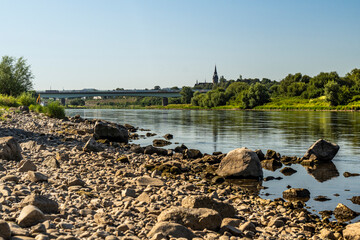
54	109
8	101
26	99
37	108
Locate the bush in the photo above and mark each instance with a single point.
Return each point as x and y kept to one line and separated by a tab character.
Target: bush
26	99
8	101
54	109
37	108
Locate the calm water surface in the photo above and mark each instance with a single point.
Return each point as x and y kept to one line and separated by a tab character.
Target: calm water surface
289	133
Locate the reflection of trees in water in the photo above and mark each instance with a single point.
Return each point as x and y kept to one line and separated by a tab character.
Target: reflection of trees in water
323	171
296	128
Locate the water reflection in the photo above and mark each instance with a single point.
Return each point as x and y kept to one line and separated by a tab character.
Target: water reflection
323	171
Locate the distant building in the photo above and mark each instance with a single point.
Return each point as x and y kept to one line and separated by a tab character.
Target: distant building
215	77
206	85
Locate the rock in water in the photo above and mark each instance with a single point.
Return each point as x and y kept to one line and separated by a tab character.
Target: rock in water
112	132
296	193
195	218
322	150
10	149
240	163
171	229
30	216
352	231
344	213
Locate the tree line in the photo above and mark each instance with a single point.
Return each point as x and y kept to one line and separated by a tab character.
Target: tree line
249	93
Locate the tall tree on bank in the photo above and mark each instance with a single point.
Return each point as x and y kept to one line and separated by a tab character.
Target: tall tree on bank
15	76
186	95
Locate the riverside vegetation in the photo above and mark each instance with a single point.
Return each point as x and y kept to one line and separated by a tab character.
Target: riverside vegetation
74	178
325	91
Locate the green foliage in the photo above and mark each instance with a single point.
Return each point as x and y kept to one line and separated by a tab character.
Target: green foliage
77	102
257	95
186	95
54	109
332	89
213	98
15	76
37	108
8	101
26	99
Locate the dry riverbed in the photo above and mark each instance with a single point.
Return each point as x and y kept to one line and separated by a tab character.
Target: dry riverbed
62	189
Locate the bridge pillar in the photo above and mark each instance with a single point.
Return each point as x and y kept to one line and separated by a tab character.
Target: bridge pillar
62	101
165	101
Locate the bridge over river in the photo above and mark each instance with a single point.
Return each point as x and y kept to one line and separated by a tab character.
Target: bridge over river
66	94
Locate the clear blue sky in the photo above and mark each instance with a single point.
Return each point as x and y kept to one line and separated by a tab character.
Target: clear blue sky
140	44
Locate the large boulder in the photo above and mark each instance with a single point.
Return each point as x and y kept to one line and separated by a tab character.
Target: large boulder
10	149
110	131
352	231
30	216
240	163
226	210
171	229
322	151
194	218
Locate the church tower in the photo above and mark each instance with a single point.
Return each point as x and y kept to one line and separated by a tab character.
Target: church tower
215	77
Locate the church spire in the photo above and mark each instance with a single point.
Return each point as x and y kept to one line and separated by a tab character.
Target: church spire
215	77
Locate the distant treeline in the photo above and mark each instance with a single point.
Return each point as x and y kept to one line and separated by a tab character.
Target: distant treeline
249	93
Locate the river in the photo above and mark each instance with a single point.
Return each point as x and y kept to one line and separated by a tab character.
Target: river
289	133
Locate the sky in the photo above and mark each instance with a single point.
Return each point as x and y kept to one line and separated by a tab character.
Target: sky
139	44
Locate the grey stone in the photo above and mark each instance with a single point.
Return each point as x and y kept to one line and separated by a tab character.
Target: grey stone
5	230
195	218
322	150
241	163
10	149
26	166
30	216
224	209
45	204
171	229
112	132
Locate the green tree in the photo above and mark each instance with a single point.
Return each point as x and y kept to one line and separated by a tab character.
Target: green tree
157	88
186	95
257	95
15	76
332	90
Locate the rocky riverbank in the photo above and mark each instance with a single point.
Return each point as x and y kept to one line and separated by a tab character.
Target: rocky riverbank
60	183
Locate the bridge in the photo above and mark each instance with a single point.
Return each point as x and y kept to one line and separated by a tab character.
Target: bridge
65	94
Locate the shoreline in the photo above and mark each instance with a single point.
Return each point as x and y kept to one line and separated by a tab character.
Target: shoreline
120	169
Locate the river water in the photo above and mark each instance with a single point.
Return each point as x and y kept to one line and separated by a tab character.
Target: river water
289	133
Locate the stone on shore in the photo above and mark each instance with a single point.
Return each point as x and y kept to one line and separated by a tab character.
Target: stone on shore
26	166
240	163
36	176
45	204
111	132
194	218
149	181
5	232
30	216
352	231
226	210
10	149
322	151
174	230
92	146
